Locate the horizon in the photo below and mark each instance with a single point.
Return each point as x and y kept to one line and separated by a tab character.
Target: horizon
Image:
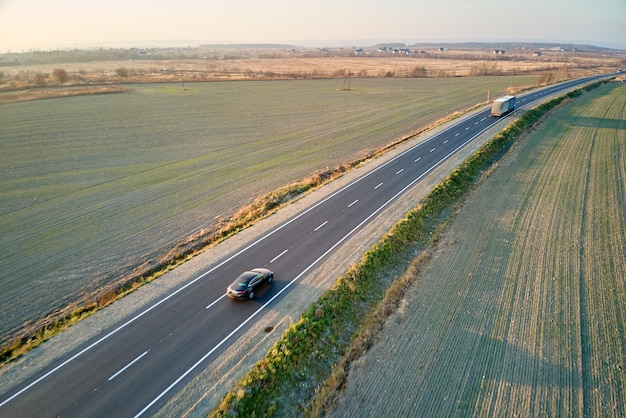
41	25
363	43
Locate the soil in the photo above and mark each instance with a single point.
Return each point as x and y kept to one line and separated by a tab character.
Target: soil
208	387
512	315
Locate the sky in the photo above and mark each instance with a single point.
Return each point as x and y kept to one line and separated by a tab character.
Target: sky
55	24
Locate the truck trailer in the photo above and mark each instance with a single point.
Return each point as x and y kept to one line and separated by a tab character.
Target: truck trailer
503	105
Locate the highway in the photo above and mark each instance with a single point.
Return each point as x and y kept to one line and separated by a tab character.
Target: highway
133	368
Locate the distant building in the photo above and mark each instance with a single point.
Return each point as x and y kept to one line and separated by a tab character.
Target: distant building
402	51
537	53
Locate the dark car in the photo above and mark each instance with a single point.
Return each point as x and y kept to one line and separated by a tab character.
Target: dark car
247	282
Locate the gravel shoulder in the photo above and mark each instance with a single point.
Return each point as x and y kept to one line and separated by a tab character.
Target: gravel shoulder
205	390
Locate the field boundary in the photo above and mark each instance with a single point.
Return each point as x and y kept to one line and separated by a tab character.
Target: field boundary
299	376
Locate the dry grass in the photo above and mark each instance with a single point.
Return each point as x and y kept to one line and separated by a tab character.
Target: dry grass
46	93
552	65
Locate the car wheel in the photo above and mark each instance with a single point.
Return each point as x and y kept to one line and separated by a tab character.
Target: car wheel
251	295
270	278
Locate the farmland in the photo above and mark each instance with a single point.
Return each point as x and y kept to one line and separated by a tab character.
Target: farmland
96	188
48	71
521	309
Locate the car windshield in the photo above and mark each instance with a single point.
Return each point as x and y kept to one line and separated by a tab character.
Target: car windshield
239	285
243	281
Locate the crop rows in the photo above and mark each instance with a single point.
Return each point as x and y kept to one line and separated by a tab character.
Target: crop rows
521	311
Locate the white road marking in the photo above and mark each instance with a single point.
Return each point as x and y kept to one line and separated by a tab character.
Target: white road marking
215	301
200	277
476	123
278	256
417	159
399	171
483	119
233	256
467	129
127	366
433	149
353	203
324	223
445	142
457	134
331	249
377	186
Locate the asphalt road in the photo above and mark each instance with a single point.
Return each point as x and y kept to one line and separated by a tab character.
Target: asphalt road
132	368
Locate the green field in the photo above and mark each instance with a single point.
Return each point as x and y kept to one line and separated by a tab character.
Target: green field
521	310
91	187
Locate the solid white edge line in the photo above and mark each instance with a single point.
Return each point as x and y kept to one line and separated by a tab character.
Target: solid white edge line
120	371
133	319
196	364
201	276
375	169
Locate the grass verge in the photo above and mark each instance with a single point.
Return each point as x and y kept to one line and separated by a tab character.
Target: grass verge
309	363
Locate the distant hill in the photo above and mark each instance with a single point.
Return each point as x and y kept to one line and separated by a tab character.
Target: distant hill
260	50
514	45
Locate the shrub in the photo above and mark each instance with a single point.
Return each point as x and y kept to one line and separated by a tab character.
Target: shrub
122	72
39	79
60	74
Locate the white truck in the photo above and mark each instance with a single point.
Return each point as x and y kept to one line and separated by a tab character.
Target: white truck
503	105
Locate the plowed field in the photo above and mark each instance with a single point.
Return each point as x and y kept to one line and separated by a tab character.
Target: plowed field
521	310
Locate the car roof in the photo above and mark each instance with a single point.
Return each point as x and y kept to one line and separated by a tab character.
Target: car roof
247	275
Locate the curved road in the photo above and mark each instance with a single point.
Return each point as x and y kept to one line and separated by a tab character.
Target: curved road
133	368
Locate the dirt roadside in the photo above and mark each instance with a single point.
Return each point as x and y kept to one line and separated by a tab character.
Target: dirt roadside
207	388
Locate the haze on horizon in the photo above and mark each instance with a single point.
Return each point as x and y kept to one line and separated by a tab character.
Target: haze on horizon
43	24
